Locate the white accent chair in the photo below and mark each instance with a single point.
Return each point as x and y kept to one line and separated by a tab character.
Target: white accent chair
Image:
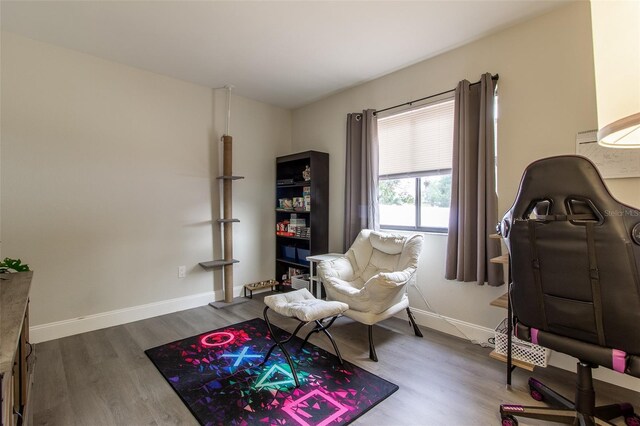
372	278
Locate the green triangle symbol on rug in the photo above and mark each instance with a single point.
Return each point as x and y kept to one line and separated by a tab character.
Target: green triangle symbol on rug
272	374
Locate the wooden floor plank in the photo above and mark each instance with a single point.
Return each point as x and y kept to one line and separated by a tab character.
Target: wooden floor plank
51	376
104	377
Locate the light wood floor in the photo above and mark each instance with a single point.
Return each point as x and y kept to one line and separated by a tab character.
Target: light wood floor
104	377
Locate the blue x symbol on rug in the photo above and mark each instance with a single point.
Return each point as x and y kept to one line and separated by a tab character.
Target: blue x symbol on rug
241	356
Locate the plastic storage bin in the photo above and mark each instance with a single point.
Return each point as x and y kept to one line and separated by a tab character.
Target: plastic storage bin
300	281
289	252
302	256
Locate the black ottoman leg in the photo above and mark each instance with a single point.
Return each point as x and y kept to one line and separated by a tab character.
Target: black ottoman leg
281	346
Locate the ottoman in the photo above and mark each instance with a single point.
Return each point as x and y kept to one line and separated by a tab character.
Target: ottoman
304	307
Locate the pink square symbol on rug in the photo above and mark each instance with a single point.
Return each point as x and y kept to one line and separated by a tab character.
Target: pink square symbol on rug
312	408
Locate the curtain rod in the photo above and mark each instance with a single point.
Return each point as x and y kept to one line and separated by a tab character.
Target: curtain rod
493	77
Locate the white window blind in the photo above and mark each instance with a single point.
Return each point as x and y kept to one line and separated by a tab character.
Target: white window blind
418	140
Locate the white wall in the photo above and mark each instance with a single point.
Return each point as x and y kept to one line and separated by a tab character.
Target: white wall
108	184
546	95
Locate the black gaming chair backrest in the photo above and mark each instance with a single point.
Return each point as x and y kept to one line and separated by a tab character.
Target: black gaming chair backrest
575	255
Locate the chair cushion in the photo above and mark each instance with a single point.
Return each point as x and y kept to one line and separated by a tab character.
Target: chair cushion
374	296
341	268
380	262
387	243
360	252
369	317
302	305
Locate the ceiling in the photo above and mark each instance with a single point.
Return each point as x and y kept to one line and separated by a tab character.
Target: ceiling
283	53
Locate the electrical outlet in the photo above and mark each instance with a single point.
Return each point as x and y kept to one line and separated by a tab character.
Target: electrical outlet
182	271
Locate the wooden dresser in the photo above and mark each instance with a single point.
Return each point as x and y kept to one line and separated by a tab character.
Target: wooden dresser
16	358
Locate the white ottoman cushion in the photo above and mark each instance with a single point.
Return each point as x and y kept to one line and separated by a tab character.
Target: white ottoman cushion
302	305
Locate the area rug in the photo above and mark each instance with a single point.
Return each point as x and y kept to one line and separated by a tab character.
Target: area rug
219	377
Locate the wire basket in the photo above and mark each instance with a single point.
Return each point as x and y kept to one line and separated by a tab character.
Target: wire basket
520	349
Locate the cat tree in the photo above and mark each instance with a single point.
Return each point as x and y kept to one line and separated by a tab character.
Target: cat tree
227	219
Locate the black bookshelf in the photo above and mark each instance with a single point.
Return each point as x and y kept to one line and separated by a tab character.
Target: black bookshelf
291	250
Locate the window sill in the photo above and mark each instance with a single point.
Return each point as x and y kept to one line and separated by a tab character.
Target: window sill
414	231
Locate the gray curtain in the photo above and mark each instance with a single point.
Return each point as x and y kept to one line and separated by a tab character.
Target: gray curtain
361	192
474	202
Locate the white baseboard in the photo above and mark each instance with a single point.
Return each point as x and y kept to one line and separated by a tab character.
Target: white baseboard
69	327
455	327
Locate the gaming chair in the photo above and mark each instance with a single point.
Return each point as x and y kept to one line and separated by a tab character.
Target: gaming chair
575	268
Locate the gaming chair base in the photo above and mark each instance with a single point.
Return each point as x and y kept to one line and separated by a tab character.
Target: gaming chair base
583	412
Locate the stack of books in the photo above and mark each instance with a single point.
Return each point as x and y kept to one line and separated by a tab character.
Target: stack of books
306	195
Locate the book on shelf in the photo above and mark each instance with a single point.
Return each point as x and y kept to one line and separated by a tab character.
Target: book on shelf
306	198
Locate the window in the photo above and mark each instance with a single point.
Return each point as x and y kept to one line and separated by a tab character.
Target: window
415	167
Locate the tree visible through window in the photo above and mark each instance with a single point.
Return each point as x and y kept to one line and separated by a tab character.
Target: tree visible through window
393	194
415	167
